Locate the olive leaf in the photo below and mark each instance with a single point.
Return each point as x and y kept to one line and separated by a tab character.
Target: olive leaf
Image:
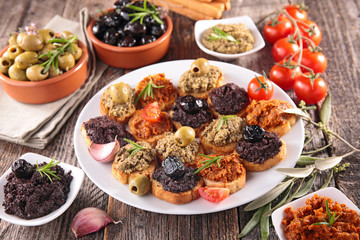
279	204
296	111
306	187
327	163
269	196
255	219
306	160
296	172
220	34
325	110
265	223
326	183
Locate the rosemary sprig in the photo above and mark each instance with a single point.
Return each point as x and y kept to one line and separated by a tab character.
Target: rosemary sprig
65	45
331	217
223	121
136	146
148	90
46	169
209	163
220	34
143	12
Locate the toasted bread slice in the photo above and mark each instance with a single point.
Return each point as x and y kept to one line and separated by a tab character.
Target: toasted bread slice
241	113
203	95
284	128
86	137
120	119
179	125
218	150
127	177
233	186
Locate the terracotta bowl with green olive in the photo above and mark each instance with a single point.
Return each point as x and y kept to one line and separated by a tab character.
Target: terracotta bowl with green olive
28	76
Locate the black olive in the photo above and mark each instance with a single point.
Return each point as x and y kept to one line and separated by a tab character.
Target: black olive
147	39
135	29
127	41
253	133
191	105
157	30
110	36
112	19
121	3
149	20
98	28
22	169
124	16
173	167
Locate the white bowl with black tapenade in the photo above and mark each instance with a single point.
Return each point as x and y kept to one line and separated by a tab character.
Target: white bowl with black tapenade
44	199
230	39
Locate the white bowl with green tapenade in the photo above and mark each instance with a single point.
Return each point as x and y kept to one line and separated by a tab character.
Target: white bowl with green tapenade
229	38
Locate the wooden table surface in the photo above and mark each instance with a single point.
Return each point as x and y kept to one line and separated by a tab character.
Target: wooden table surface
339	21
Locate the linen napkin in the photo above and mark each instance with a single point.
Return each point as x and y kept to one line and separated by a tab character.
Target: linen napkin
34	125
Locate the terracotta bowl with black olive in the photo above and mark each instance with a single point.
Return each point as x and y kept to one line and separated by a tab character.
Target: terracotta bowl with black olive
121	43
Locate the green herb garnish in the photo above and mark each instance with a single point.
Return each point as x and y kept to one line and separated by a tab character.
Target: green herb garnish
64	45
223	121
148	90
209	163
46	169
143	12
220	34
136	146
331	217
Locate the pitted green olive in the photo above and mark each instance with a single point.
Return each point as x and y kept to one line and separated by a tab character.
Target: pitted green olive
120	92
13	51
46	34
30	42
66	34
66	61
200	67
48	47
26	59
139	185
184	136
17	73
12	39
54	72
77	51
34	73
5	63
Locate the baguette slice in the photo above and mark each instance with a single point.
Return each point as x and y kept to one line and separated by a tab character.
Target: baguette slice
233	186
218	150
120	119
125	178
203	95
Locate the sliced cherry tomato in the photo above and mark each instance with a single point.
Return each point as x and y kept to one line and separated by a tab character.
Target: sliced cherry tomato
214	194
297	12
151	112
278	28
284	48
284	77
310	30
310	94
312	59
260	88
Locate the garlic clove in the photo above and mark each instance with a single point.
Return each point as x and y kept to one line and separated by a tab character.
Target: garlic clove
89	220
104	152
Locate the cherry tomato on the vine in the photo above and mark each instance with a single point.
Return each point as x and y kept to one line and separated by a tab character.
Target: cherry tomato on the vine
284	48
311	94
260	88
296	12
314	60
214	194
310	30
151	112
278	28
283	76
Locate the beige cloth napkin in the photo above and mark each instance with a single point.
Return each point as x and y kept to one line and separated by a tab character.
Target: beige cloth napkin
35	125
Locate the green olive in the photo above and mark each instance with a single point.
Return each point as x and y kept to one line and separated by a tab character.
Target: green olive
30	42
77	51
17	73
26	59
48	47
12	39
34	73
54	72
139	185
66	34
13	51
46	34
5	63
200	67
66	61
184	136
120	92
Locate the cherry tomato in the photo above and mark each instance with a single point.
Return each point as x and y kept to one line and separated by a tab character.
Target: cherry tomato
214	194
314	60
310	94
283	48
151	112
296	12
260	88
283	76
280	28
311	30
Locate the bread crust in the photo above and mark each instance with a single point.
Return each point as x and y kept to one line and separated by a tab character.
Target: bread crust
125	178
233	186
86	137
284	128
203	95
105	111
256	167
218	150
176	198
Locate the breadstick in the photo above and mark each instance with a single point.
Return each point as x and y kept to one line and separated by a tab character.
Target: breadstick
221	1
195	5
218	5
227	6
204	1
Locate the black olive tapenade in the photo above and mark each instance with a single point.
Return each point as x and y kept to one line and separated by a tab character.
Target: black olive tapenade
258	152
194	120
103	130
186	182
228	99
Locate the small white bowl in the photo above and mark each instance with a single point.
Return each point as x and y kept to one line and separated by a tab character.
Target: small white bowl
202	25
78	177
333	193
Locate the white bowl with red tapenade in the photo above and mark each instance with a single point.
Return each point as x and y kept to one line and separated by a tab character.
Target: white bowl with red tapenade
44	199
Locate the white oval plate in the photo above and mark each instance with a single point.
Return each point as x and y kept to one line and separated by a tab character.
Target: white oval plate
202	25
78	177
257	183
331	192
